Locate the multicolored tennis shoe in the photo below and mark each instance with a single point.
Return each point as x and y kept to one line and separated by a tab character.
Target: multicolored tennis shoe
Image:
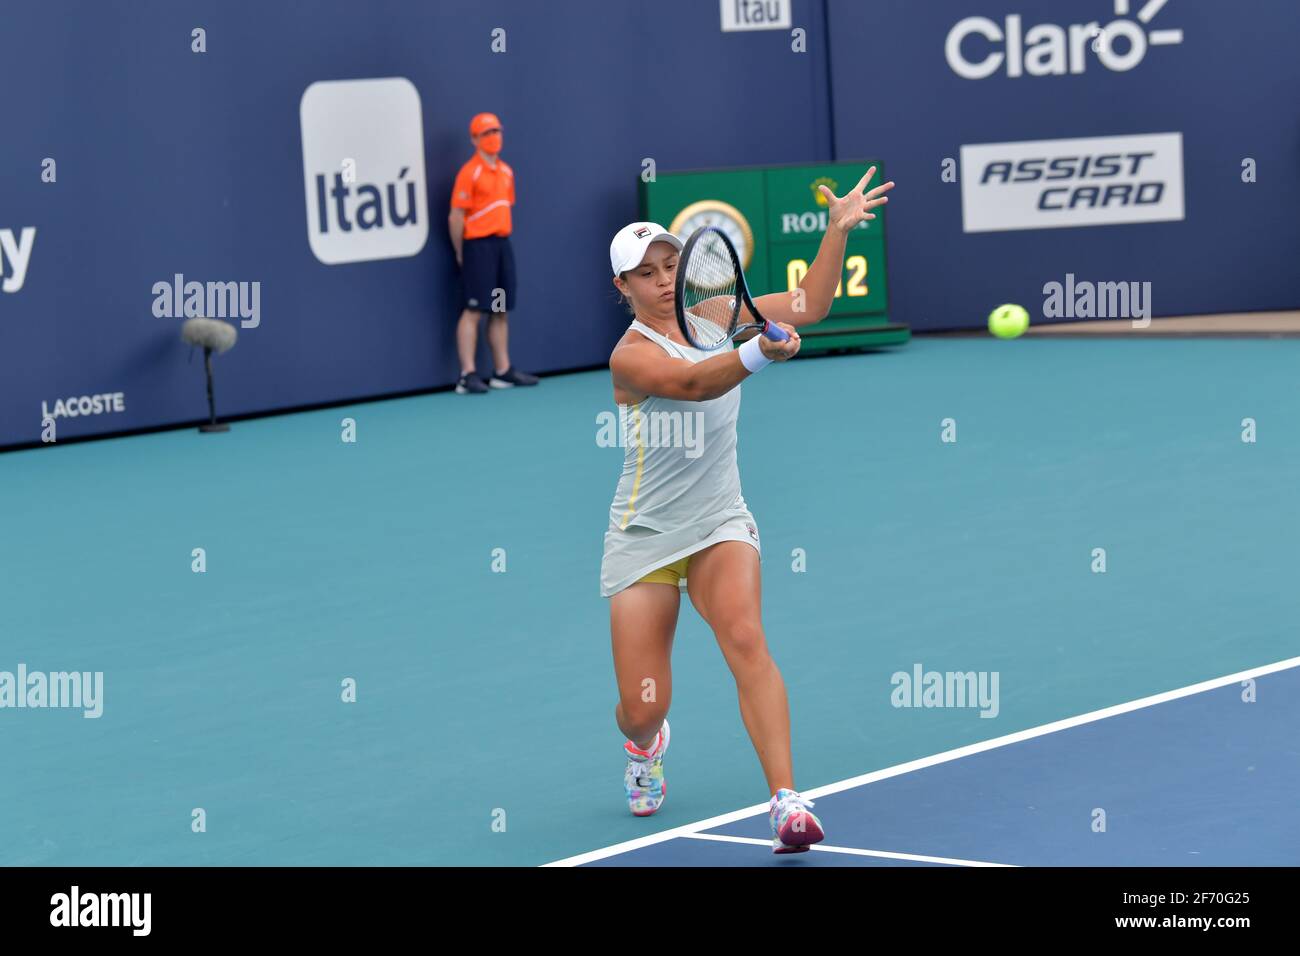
644	777
795	828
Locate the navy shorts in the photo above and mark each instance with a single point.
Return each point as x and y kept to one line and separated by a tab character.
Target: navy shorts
488	265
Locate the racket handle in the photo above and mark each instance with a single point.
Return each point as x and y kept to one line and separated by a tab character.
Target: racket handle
775	332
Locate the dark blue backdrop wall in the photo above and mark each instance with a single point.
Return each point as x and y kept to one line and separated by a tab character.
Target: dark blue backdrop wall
1230	85
171	161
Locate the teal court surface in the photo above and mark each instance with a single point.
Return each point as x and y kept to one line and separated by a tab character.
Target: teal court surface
447	562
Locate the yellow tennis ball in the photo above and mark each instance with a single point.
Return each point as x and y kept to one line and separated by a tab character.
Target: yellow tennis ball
1008	321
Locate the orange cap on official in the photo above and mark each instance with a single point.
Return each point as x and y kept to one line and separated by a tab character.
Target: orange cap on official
483	121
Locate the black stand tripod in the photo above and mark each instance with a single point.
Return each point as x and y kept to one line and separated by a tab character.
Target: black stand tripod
211	425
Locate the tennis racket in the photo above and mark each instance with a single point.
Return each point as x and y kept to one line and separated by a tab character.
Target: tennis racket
711	289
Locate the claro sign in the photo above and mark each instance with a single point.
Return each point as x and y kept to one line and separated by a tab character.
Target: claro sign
977	47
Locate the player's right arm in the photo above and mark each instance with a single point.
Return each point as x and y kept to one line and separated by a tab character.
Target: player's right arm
817	287
641	368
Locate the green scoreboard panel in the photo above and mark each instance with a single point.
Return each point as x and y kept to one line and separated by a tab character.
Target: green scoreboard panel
776	215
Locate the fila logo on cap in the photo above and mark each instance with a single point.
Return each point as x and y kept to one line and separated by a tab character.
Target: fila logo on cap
642	232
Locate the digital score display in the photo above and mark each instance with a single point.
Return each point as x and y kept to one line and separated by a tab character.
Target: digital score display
776	216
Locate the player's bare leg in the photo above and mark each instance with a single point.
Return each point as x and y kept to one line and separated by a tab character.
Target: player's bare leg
724	585
643	619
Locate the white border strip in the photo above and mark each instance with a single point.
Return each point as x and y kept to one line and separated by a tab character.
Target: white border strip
913	765
853	851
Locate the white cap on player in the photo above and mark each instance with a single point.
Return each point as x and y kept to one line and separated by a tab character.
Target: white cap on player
631	242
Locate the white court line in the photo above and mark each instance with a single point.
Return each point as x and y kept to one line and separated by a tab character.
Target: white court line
854	851
923	762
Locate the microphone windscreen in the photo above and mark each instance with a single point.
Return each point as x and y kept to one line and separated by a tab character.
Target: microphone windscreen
209	333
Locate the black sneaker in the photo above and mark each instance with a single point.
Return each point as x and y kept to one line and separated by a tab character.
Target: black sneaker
512	377
471	384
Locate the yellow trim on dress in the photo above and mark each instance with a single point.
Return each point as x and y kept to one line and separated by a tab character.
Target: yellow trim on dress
640	468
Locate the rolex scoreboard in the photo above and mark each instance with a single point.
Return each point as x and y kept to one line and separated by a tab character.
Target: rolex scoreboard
775	216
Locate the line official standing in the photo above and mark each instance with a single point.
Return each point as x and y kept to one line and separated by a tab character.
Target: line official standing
480	233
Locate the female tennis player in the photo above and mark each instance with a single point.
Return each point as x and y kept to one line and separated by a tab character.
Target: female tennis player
678	519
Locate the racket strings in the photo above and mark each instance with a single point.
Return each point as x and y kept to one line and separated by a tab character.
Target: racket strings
709	293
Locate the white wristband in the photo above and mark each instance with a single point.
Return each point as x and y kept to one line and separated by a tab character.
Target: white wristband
751	355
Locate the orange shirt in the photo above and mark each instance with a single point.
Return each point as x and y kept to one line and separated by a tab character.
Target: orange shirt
486	194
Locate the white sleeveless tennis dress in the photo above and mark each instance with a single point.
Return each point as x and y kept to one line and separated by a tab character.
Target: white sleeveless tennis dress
680	488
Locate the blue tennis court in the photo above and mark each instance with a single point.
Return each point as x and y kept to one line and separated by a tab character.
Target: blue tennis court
446	565
1203	777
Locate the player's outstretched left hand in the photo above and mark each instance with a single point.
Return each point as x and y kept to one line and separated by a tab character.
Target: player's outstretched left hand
845	212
